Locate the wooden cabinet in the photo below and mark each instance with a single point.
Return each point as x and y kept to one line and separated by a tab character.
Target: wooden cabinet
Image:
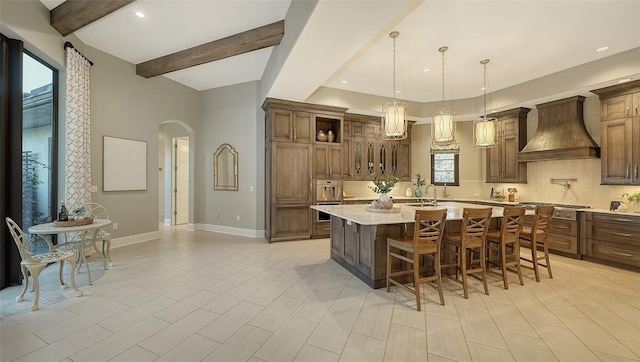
368	155
563	236
290	191
327	162
290	126
620	134
502	161
291	154
612	238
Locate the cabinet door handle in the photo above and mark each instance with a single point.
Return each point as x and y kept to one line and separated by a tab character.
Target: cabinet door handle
560	227
623	220
291	133
628	172
295	134
628	114
636	171
621	234
636	108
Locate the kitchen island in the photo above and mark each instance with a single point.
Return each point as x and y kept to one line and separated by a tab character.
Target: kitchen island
359	237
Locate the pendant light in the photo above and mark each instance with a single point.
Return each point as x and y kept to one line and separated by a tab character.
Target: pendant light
443	124
394	121
484	129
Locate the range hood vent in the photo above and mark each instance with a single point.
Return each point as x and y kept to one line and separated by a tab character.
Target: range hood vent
561	134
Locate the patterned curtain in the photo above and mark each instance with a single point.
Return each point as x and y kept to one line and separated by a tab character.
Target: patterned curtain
78	135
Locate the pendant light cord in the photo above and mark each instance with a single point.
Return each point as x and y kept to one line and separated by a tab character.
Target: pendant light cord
484	63
443	50
394	35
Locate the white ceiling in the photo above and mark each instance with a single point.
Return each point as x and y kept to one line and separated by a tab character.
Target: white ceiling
348	40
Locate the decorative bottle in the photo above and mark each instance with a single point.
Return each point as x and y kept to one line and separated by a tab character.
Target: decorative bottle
64	214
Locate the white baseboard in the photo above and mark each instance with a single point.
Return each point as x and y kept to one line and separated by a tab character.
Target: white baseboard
134	239
230	230
139	238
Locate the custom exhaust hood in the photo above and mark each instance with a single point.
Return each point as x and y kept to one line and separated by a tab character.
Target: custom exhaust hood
561	133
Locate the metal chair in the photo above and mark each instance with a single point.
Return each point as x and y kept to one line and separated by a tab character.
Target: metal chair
426	240
97	211
33	264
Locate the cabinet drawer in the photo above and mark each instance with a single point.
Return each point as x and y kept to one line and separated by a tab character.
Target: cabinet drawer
624	219
563	227
619	253
604	231
564	243
558	226
321	229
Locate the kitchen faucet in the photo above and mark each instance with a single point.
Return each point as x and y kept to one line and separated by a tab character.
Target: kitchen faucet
435	194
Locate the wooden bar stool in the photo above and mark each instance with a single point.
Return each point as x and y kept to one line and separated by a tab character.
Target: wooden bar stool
537	235
426	240
471	240
506	243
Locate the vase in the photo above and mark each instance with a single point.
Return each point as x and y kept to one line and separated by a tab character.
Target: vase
636	206
418	191
384	201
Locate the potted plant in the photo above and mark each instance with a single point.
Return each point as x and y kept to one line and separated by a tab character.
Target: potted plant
635	198
419	183
382	186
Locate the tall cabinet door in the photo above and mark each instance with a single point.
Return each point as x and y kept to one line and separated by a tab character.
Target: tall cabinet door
617	151
291	173
327	161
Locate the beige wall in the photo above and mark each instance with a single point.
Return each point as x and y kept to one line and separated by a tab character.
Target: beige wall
232	115
122	105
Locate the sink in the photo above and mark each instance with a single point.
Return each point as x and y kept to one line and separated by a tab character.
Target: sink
419	205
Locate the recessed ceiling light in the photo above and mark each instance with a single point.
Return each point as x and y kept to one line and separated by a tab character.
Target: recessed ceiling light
397	91
140	14
344	82
483	88
601	49
426	70
624	80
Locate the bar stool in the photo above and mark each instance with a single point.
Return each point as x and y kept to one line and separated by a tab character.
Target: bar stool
426	240
471	240
537	235
506	243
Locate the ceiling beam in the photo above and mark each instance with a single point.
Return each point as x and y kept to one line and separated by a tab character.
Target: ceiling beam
250	40
72	15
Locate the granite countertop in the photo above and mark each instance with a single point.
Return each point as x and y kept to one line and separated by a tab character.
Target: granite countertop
359	214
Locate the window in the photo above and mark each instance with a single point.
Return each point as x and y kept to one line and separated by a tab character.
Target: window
445	169
38	142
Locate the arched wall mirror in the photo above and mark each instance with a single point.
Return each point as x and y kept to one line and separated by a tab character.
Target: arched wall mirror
225	168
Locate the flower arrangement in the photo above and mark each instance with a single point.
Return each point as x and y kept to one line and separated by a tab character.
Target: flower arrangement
420	181
383	185
633	197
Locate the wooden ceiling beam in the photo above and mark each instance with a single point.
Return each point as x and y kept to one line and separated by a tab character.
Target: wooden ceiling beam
250	40
72	15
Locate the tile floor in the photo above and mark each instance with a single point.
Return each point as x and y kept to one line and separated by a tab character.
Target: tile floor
202	296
